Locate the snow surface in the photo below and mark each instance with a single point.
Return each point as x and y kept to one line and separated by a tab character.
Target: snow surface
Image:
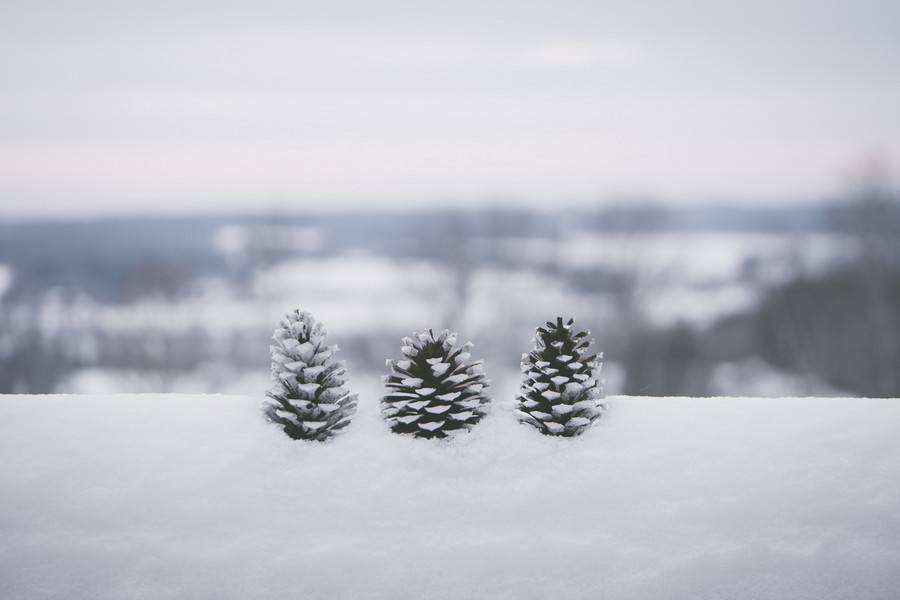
165	496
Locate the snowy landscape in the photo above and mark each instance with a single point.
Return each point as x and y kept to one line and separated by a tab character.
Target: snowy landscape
188	305
462	300
180	496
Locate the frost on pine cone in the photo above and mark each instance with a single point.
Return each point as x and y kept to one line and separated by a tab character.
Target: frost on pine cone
309	398
432	391
560	394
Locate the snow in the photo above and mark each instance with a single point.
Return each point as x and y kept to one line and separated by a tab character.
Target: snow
236	240
362	293
758	378
181	496
495	296
703	258
700	306
695	277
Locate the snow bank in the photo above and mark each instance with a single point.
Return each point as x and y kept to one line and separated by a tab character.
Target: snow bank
165	496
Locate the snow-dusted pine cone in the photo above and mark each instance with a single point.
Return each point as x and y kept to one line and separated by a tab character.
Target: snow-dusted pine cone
560	394
309	398
432	391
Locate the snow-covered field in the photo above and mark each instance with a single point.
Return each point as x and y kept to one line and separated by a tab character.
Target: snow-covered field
186	342
176	496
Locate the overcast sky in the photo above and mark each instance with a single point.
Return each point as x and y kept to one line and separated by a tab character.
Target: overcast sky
175	106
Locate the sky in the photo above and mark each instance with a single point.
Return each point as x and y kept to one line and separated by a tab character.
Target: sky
157	106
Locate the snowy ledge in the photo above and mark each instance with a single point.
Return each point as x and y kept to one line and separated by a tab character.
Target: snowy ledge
165	496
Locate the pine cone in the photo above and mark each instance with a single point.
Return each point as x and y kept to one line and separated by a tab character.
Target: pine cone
309	398
432	391
560	394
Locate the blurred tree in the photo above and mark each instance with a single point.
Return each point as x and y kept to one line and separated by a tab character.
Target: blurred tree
154	278
844	326
665	362
657	361
870	215
447	241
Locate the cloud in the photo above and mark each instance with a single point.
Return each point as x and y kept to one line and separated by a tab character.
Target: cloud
584	54
451	100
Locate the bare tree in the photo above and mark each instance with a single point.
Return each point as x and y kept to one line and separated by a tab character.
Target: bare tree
871	217
844	326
